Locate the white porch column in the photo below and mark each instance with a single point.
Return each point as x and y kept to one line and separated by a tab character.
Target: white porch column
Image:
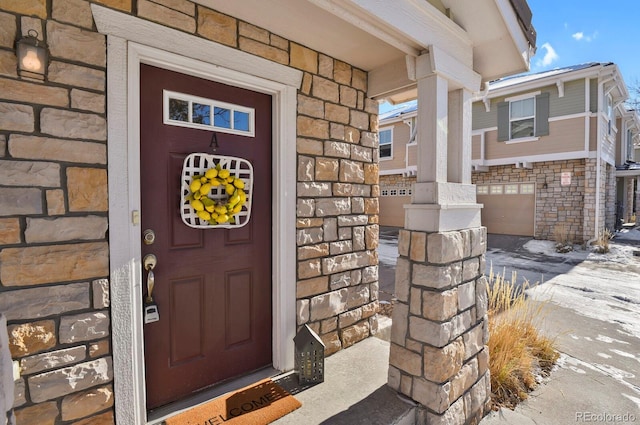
443	197
438	354
459	140
432	127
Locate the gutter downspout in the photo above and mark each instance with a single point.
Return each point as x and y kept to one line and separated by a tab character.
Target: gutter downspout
598	156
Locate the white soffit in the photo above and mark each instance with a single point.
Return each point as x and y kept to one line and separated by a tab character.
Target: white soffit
500	47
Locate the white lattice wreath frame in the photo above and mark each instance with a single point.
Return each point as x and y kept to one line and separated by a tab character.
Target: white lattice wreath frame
197	164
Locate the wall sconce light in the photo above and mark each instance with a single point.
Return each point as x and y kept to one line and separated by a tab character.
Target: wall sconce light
32	56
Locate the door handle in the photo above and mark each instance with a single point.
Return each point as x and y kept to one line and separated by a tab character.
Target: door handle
150	262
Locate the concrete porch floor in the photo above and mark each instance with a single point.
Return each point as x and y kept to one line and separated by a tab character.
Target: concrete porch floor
354	390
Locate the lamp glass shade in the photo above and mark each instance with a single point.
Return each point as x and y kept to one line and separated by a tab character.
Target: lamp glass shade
32	58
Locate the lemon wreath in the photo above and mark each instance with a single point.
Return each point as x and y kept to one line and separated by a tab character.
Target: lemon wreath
216	211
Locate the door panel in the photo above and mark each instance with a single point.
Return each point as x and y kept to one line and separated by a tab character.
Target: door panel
212	286
508	214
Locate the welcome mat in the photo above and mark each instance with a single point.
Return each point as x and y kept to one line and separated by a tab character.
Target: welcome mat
257	404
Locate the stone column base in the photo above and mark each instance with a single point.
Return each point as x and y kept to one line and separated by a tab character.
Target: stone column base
439	356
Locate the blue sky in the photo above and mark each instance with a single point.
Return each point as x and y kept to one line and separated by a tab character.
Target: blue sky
571	32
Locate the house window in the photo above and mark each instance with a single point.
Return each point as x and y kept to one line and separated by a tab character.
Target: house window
185	110
384	192
522	118
393	192
482	190
385	136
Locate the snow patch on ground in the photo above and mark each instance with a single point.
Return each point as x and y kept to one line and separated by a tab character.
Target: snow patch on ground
603	286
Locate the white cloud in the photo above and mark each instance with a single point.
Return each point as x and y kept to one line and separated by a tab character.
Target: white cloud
579	36
549	57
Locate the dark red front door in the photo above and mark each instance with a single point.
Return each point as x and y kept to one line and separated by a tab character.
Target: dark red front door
212	286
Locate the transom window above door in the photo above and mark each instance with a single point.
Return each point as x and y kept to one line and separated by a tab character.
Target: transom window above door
185	110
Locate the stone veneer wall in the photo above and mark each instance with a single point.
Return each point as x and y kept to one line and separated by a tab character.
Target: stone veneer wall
607	189
628	207
555	204
396	180
637	198
54	261
609	175
439	355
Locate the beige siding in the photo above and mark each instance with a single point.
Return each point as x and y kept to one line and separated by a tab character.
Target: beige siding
476	147
565	136
571	103
480	118
593	95
593	133
401	134
412	154
619	151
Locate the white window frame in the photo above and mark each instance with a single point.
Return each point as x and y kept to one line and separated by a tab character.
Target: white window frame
482	190
527	188
496	189
518	98
523	118
232	108
511	189
385	158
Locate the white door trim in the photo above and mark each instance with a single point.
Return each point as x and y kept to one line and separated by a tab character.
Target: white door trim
124	55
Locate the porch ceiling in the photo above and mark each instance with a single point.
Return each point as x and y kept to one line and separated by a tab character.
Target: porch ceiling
314	27
486	35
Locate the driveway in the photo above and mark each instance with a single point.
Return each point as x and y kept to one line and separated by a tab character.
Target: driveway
592	308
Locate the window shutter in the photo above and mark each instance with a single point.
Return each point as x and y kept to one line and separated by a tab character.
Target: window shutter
542	114
503	121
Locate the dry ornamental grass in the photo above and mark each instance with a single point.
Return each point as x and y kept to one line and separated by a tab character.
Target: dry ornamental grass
518	352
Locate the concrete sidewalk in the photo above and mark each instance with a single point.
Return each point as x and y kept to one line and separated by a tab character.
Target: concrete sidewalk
597	378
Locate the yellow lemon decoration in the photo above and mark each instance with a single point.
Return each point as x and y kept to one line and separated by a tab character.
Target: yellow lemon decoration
195	185
197	205
216	211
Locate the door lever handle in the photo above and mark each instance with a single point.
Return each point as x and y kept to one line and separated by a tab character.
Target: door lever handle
150	262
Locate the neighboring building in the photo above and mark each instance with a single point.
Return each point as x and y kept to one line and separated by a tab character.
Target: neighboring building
398	166
545	149
628	168
542	144
90	162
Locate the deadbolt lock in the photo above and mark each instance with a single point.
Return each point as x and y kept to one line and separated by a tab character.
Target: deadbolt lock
148	236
